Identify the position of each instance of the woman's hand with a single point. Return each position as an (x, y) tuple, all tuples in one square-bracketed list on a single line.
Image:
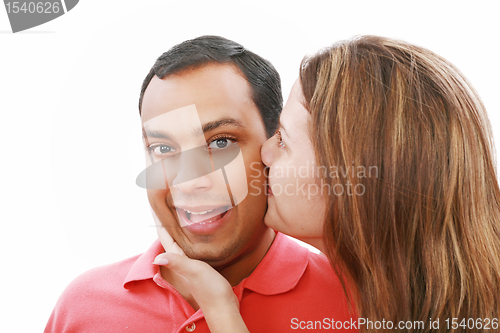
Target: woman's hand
[(212, 291), (208, 286)]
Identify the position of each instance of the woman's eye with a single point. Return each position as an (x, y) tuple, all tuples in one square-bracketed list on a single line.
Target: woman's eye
[(162, 149), (220, 143), (281, 143)]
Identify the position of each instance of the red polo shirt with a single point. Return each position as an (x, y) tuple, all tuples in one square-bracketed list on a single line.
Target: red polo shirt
[(291, 289)]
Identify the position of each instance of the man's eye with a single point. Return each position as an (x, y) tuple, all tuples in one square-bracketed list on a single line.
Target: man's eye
[(220, 143), (162, 149)]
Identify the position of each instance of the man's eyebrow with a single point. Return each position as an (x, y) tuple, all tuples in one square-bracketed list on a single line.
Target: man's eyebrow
[(155, 134), (212, 125)]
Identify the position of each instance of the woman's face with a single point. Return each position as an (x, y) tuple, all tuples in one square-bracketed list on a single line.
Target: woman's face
[(295, 204)]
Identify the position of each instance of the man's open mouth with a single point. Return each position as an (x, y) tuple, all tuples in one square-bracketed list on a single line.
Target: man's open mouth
[(202, 216)]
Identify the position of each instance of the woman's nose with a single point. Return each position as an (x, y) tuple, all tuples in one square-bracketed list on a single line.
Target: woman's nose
[(266, 152)]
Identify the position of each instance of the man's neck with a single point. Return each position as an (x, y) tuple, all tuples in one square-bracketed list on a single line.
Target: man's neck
[(244, 266)]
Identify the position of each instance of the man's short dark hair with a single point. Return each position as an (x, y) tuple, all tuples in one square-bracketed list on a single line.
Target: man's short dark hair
[(263, 78)]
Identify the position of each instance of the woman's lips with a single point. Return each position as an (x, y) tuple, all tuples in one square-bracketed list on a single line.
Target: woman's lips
[(269, 191)]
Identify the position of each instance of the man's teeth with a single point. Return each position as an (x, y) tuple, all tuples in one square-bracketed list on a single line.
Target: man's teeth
[(199, 213)]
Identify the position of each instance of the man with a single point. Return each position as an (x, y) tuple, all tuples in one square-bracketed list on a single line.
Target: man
[(206, 106)]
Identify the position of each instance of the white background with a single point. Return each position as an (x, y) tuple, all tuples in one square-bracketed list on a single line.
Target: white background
[(70, 131)]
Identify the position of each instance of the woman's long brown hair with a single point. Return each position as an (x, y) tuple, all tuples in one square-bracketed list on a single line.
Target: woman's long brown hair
[(420, 238)]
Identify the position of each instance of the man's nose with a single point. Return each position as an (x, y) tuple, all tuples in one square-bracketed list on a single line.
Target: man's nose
[(193, 173), (198, 185)]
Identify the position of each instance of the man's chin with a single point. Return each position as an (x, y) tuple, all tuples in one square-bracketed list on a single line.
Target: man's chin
[(209, 254)]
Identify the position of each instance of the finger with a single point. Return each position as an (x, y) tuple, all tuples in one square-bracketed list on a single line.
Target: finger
[(174, 248), (182, 265), (163, 234), (208, 287)]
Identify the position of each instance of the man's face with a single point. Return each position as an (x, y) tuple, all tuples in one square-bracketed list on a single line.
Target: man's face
[(207, 110)]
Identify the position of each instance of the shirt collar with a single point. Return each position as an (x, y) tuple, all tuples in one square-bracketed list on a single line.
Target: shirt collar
[(143, 268), (279, 271)]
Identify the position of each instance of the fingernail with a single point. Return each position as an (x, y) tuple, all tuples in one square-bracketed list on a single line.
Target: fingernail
[(160, 261)]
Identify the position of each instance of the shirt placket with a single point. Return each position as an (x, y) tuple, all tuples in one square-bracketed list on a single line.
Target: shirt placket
[(196, 324)]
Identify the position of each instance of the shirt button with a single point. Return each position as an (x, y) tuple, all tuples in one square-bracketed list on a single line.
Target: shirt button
[(191, 327)]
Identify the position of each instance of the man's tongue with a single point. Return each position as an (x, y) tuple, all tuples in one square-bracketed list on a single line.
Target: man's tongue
[(208, 217)]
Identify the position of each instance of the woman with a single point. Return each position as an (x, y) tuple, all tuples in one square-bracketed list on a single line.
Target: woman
[(406, 203)]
